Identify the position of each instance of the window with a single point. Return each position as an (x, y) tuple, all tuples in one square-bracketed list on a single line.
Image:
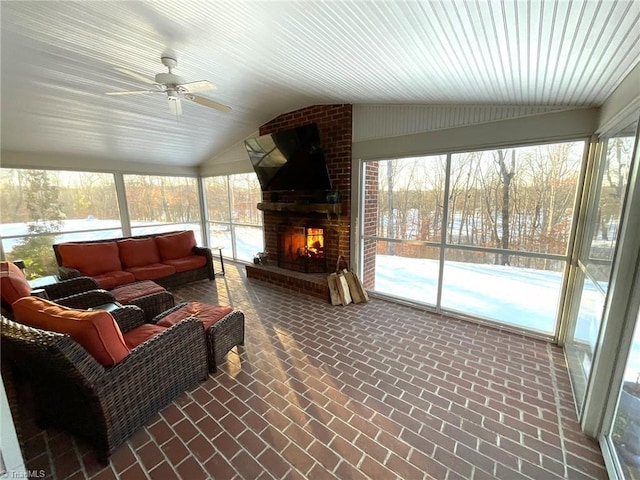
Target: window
[(42, 207), (611, 177), (625, 433), (482, 233), (234, 221), (162, 204), (408, 230)]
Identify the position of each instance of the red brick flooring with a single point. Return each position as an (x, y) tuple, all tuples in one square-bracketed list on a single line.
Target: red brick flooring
[(377, 391)]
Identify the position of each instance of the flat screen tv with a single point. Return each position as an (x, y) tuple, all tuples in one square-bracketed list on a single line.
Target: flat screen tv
[(290, 160)]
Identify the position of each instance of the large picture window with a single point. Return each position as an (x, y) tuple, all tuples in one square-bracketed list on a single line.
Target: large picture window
[(234, 221), (42, 207), (483, 233), (162, 204)]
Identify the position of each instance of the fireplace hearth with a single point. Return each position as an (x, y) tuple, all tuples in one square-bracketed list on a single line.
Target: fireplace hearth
[(302, 249)]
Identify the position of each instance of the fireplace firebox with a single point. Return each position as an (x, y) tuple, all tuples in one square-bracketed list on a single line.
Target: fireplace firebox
[(301, 249)]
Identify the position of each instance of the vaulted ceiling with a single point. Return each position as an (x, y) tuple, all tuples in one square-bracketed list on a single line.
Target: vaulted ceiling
[(59, 58)]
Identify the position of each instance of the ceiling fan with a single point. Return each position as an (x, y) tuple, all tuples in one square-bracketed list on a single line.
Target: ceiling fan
[(174, 87)]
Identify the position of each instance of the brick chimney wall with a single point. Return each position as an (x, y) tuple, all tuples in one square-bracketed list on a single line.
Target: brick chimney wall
[(334, 126)]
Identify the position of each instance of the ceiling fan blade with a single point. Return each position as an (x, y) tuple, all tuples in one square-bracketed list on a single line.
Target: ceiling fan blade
[(130, 92), (199, 86), (175, 107), (135, 75), (208, 103)]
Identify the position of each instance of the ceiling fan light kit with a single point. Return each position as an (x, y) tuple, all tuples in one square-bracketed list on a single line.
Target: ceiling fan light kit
[(174, 87)]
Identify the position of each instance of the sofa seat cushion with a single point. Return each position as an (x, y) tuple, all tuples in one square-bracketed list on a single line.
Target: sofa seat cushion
[(138, 252), (126, 293), (13, 284), (141, 334), (114, 279), (91, 259), (176, 245), (96, 331), (151, 272), (209, 314), (184, 264)]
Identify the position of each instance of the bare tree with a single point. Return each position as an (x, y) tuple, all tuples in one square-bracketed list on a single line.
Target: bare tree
[(507, 170)]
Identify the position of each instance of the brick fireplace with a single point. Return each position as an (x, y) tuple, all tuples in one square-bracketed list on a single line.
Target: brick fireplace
[(297, 210)]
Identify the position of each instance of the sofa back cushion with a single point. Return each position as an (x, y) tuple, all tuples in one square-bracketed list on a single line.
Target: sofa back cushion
[(138, 252), (176, 245), (90, 258), (13, 284), (96, 331)]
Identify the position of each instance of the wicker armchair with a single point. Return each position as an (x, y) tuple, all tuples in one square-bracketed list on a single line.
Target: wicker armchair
[(104, 406)]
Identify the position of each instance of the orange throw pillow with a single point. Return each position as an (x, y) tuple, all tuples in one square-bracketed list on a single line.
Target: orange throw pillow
[(96, 331), (176, 245), (13, 284)]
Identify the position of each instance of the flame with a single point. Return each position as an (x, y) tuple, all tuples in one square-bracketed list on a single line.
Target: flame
[(315, 242)]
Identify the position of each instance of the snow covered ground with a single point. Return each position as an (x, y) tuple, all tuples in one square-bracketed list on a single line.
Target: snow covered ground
[(518, 296)]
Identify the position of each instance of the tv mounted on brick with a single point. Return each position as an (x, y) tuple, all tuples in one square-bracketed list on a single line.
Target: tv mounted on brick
[(291, 160)]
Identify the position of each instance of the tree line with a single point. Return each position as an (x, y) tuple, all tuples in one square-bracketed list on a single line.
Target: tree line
[(516, 199), (44, 199)]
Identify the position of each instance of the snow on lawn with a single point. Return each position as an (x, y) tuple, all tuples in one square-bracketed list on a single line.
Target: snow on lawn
[(519, 296)]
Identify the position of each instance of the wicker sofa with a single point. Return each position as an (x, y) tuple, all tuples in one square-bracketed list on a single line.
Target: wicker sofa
[(104, 405), (169, 259)]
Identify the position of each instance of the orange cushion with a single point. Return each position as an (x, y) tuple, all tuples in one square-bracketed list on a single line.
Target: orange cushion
[(176, 245), (209, 314), (90, 258), (13, 284), (114, 279), (184, 264), (141, 334), (96, 331), (125, 293), (138, 252), (151, 272)]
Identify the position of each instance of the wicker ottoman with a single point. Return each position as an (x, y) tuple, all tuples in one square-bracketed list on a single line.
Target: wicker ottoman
[(148, 295), (224, 327)]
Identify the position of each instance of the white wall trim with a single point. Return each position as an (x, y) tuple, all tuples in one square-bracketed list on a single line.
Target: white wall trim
[(90, 164), (542, 128), (384, 121), (621, 108)]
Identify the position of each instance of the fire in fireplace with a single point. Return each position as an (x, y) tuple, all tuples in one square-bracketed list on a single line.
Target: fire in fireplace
[(301, 249)]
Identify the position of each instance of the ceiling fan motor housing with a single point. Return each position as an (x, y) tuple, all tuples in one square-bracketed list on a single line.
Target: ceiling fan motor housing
[(168, 79)]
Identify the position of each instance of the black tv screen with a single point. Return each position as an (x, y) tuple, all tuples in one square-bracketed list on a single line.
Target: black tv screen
[(289, 160)]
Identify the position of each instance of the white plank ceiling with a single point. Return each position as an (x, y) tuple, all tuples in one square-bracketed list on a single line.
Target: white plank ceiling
[(267, 58)]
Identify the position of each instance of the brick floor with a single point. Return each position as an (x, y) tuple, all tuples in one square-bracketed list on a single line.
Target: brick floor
[(369, 391)]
